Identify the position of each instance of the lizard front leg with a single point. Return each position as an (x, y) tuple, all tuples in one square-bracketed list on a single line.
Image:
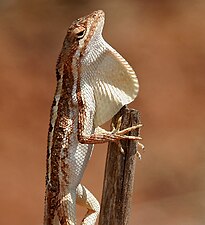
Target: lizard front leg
[(101, 135)]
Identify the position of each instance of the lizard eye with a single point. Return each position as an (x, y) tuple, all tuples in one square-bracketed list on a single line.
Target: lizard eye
[(80, 34)]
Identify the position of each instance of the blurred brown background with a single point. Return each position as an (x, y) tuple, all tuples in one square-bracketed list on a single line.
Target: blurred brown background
[(164, 41)]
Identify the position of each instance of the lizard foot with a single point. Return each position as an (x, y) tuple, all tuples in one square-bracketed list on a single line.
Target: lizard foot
[(116, 130)]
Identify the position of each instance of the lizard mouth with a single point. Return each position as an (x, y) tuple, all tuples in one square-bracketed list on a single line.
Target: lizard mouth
[(97, 16)]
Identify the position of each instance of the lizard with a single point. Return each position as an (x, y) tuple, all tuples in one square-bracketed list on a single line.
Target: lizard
[(93, 82)]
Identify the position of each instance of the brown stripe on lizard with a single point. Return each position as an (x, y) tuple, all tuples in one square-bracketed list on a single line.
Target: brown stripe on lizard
[(64, 90), (89, 73)]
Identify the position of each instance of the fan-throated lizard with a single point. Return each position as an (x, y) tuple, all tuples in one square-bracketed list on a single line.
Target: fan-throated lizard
[(93, 83)]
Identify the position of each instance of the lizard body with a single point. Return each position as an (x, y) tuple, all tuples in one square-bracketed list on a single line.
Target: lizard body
[(93, 83)]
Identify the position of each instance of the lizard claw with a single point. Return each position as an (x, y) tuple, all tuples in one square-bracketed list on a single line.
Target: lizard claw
[(117, 128), (141, 146), (120, 148), (139, 156)]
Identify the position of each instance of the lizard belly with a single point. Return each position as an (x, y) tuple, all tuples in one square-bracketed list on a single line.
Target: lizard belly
[(76, 155), (73, 166)]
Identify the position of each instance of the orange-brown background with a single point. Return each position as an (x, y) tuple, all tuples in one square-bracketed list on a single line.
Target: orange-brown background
[(164, 41)]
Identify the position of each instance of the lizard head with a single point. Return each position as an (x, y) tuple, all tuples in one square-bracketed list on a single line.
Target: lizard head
[(82, 30), (84, 27)]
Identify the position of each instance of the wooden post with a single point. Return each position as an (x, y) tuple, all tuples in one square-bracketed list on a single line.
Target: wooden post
[(119, 174)]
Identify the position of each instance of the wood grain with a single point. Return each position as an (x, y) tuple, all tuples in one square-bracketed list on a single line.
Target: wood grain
[(119, 174)]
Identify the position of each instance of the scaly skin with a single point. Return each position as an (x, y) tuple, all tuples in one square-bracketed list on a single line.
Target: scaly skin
[(93, 83)]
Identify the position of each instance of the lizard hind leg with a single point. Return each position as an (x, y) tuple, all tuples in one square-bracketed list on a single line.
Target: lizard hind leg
[(86, 199)]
